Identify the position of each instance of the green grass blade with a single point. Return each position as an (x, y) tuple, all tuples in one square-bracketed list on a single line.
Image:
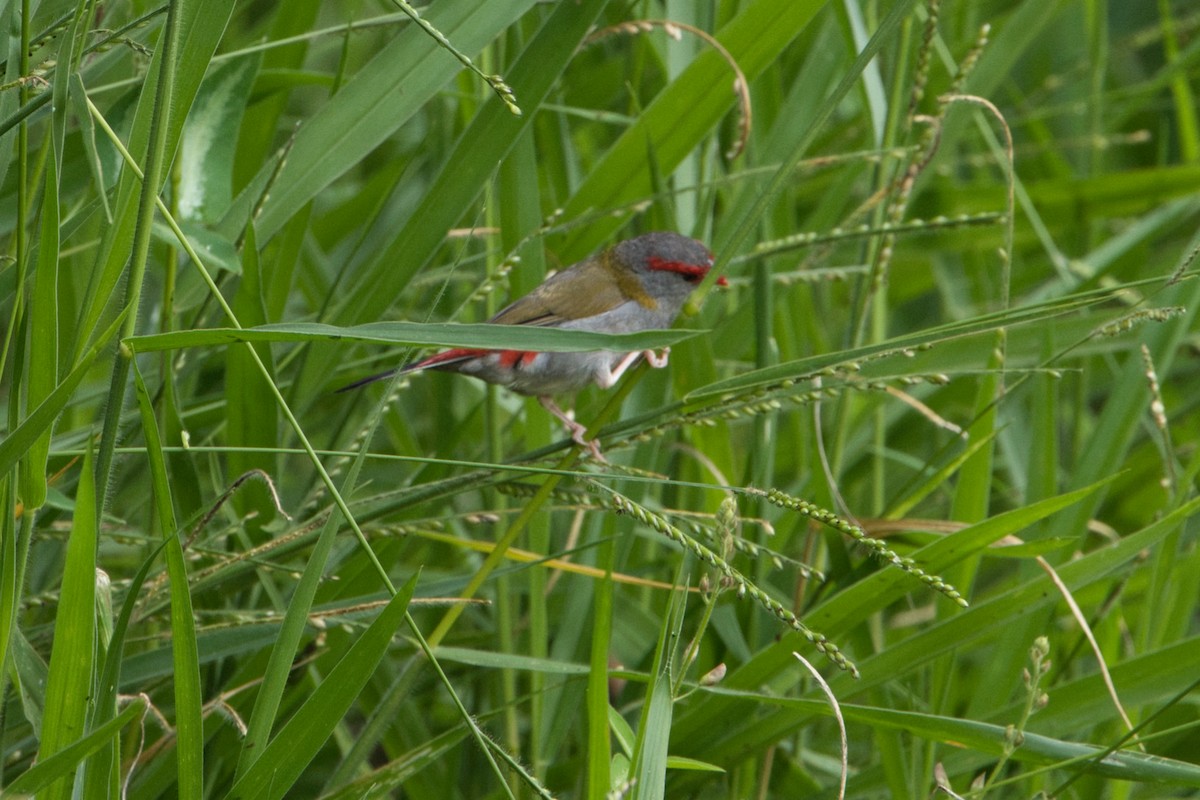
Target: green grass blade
[(250, 422), (599, 749), (1120, 419), (878, 590), (988, 738), (379, 98), (100, 768), (496, 337), (682, 115), (43, 341), (650, 757), (71, 681), (649, 768), (954, 633), (41, 418), (486, 141), (980, 324), (9, 585), (399, 773), (65, 763), (201, 25), (298, 741), (295, 622), (189, 701)]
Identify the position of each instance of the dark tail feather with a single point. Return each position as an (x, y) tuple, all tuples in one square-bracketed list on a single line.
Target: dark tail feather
[(441, 360), (444, 360), (369, 379)]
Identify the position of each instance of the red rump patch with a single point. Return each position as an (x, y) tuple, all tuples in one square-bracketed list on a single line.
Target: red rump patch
[(517, 358), (458, 354), (508, 358)]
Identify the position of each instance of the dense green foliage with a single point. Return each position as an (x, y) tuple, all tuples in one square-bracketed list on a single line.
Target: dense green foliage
[(953, 358)]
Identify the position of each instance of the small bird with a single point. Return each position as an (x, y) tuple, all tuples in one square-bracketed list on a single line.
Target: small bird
[(638, 284)]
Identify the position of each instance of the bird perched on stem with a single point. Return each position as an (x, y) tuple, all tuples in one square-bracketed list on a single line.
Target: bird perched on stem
[(636, 285)]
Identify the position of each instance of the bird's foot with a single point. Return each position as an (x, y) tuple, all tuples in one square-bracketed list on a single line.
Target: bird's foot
[(578, 431), (657, 360)]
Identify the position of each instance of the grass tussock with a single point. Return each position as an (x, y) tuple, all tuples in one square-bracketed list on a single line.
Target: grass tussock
[(937, 438)]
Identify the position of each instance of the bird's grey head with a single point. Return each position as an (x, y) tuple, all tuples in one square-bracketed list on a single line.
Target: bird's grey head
[(669, 265)]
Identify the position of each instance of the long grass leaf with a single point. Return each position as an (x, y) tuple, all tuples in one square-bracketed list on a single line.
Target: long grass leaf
[(683, 114), (285, 758), (65, 763), (486, 141), (380, 97), (511, 337), (43, 340), (202, 24), (189, 701), (70, 684)]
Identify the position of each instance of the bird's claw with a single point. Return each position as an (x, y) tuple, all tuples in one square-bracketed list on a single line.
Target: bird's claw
[(591, 444), (657, 360), (578, 431)]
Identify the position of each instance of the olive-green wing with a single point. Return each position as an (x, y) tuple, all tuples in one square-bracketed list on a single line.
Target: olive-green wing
[(582, 291)]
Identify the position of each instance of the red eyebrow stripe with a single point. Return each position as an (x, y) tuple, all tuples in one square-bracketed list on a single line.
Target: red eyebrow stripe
[(682, 268)]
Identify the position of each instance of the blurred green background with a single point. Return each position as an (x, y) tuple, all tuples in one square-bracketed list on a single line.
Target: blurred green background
[(960, 324)]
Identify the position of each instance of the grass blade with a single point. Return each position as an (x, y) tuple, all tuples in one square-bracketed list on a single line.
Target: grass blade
[(70, 683), (285, 758)]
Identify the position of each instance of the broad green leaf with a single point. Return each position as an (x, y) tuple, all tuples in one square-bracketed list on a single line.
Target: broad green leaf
[(209, 141)]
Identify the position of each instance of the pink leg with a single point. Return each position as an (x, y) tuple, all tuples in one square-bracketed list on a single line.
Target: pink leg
[(628, 360), (614, 374), (577, 430)]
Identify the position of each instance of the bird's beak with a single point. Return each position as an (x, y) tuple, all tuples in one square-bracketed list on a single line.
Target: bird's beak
[(720, 278)]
